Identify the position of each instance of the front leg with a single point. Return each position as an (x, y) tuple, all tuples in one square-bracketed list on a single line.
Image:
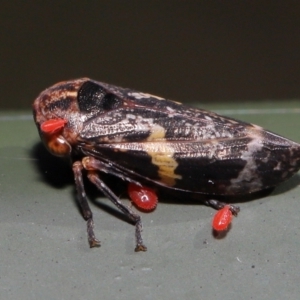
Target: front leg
[(89, 164), (85, 208)]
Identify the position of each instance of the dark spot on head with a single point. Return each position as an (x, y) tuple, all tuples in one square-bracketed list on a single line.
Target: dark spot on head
[(90, 96), (93, 98), (110, 101)]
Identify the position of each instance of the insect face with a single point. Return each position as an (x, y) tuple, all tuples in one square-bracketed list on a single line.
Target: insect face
[(50, 132)]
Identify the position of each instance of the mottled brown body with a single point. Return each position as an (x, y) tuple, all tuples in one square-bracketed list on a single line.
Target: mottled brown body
[(137, 136)]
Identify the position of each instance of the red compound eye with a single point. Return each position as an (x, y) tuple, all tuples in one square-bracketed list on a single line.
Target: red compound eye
[(222, 218), (143, 197), (53, 125)]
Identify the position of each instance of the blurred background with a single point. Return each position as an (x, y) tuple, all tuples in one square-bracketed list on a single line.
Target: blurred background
[(190, 51)]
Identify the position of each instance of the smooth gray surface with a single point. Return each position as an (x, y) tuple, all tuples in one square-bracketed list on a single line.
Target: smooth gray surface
[(45, 254)]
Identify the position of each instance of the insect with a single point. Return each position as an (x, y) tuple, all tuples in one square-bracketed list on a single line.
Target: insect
[(141, 138), (222, 218), (143, 197)]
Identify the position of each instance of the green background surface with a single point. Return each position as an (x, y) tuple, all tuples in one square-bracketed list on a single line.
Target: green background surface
[(44, 248)]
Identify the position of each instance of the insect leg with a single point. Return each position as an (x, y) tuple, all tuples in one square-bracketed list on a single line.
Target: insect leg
[(94, 178), (92, 167), (95, 164), (219, 205), (86, 211)]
